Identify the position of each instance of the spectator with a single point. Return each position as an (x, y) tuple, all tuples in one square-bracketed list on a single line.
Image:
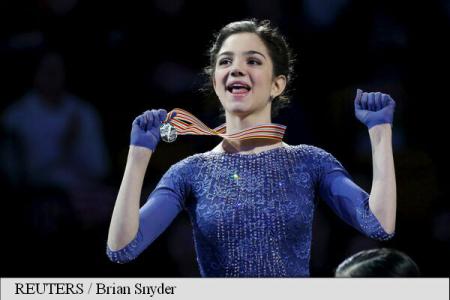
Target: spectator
[(53, 137), (381, 262)]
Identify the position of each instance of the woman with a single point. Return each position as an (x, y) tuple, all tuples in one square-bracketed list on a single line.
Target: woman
[(251, 202)]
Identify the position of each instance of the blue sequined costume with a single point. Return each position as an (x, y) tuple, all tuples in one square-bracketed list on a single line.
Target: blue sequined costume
[(252, 214)]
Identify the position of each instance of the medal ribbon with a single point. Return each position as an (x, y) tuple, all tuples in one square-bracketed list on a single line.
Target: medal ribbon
[(187, 124)]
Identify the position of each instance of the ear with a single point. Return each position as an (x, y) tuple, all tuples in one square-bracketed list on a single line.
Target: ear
[(278, 86)]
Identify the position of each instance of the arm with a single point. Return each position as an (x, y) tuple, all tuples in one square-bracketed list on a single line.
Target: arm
[(125, 218), (91, 148), (374, 214), (382, 200), (125, 232), (349, 201), (162, 206), (376, 111)]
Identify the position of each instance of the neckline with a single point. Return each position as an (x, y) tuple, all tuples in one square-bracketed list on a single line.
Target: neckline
[(259, 154)]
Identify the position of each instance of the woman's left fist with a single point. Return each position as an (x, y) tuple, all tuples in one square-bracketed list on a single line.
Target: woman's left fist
[(374, 108)]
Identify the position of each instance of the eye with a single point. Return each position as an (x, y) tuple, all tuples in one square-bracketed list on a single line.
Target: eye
[(224, 61), (254, 61)]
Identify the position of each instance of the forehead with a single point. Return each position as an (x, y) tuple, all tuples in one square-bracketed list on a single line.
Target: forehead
[(242, 42)]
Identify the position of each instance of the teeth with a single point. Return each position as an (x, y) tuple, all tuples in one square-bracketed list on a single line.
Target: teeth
[(238, 86)]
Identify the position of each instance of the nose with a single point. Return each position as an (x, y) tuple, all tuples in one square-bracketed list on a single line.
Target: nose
[(237, 70)]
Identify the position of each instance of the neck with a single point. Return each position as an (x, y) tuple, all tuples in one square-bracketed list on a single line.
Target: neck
[(236, 122), (51, 99)]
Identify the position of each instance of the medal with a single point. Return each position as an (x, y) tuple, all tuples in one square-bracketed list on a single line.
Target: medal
[(181, 122), (168, 133)]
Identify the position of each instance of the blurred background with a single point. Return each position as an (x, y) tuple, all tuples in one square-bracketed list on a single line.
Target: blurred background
[(75, 73)]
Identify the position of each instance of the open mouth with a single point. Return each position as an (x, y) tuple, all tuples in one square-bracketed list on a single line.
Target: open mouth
[(238, 88)]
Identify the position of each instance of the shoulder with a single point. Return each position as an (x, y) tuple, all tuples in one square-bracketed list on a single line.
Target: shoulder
[(186, 165), (316, 157), (308, 151), (74, 103), (18, 111)]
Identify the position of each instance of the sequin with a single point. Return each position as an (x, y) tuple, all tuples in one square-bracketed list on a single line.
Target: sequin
[(252, 214)]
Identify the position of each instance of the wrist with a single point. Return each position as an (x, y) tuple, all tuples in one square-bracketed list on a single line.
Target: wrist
[(376, 122), (381, 132), (139, 153)]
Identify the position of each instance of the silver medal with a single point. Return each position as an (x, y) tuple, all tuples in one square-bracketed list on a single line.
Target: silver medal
[(168, 133)]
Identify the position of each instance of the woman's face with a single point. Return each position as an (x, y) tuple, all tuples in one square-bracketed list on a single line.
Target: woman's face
[(243, 76)]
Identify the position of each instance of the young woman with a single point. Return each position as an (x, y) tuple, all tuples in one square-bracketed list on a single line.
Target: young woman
[(251, 202)]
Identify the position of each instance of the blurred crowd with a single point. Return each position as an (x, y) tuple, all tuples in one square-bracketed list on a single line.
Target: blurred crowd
[(76, 73)]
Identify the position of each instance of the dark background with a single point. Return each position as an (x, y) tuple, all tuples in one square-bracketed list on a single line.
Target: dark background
[(129, 56)]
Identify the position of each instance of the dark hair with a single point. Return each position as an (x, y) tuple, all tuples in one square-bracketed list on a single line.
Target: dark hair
[(279, 51), (378, 263)]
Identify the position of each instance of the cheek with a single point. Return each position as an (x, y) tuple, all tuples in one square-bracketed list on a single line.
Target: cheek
[(216, 78), (218, 84), (218, 75), (262, 80)]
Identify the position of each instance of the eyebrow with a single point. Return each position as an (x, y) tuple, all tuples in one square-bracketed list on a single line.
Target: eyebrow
[(250, 52)]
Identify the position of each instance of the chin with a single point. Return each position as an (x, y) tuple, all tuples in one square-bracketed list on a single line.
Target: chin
[(238, 108), (240, 113)]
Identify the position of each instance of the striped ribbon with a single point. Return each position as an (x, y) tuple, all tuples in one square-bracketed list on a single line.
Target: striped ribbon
[(187, 124)]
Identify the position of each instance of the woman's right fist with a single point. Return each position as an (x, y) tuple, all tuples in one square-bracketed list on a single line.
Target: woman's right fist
[(145, 129)]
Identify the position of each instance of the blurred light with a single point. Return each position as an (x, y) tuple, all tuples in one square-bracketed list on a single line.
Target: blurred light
[(173, 78), (61, 7), (323, 13), (170, 7)]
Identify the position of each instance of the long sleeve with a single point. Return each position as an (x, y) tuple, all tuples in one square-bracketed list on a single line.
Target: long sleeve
[(161, 208), (347, 199)]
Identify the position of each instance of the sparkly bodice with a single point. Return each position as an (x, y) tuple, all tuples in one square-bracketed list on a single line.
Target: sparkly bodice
[(252, 214)]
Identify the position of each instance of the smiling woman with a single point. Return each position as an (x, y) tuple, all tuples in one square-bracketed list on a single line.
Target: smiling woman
[(251, 201), (274, 55), (244, 82)]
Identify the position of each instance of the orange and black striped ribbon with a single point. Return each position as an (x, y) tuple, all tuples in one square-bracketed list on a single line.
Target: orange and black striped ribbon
[(187, 124)]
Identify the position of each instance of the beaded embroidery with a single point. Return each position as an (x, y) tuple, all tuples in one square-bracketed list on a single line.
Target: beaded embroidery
[(252, 214)]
